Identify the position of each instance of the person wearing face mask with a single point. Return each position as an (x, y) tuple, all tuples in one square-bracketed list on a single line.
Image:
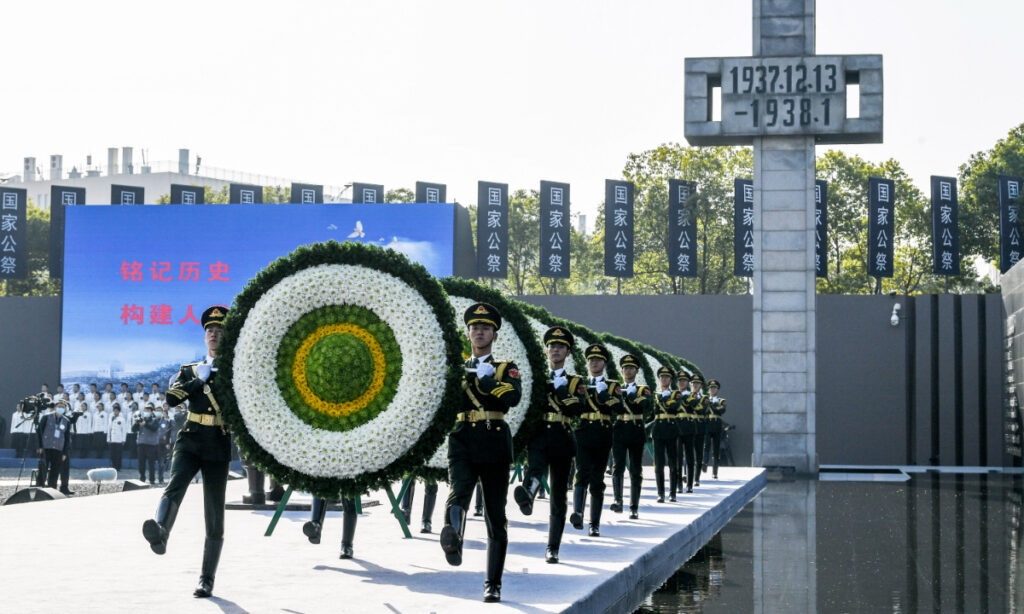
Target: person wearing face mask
[(203, 444), (54, 437), (147, 429)]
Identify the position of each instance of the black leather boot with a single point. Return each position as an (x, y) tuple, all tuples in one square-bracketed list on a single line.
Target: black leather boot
[(579, 495), (276, 492), (156, 531), (256, 495), (451, 535), (211, 556), (407, 499), (429, 499), (478, 509), (524, 496), (616, 505), (634, 499), (315, 525), (348, 528), (555, 528), (596, 503), (495, 565)]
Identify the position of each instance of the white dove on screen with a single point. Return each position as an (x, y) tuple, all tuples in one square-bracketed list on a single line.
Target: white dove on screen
[(358, 232)]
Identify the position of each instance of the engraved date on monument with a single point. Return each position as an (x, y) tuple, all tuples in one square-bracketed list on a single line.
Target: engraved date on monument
[(788, 112)]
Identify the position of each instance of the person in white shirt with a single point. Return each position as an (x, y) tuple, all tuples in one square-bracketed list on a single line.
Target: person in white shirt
[(22, 428), (94, 400), (117, 431), (100, 427), (81, 442)]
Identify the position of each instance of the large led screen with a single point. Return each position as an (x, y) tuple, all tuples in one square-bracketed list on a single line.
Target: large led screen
[(137, 279)]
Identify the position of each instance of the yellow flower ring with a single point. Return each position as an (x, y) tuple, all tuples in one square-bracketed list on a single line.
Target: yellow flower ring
[(345, 408)]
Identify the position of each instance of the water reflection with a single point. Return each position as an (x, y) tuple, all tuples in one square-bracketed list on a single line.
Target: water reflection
[(935, 543)]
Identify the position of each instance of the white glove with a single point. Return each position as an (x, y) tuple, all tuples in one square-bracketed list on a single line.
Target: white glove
[(484, 369), (665, 393), (715, 398), (631, 389), (203, 371), (560, 381), (600, 386)]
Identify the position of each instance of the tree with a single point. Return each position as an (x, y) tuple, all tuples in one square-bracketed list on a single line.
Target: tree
[(400, 195), (979, 194), (222, 195), (37, 280)]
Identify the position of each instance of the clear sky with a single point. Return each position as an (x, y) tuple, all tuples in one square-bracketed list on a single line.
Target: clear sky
[(459, 91)]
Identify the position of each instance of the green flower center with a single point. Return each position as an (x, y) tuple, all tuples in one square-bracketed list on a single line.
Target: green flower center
[(339, 368)]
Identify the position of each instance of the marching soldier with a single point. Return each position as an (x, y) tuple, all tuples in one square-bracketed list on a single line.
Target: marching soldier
[(716, 407), (429, 500), (554, 446), (694, 406), (667, 404), (628, 436), (480, 447), (594, 439), (683, 386), (700, 408), (203, 445)]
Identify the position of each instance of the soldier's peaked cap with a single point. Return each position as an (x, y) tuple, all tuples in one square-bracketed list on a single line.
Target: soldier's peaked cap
[(559, 334), (713, 383), (482, 312), (629, 360), (697, 378), (596, 350), (663, 370), (683, 374), (214, 315)]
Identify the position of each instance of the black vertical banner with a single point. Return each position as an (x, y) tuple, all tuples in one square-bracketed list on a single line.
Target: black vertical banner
[(13, 250), (618, 228), (554, 229), (945, 227), (743, 228), (430, 192), (245, 194), (126, 195), (682, 228), (1010, 226), (187, 194), (60, 197), (821, 228), (367, 193), (881, 226), (306, 193), (492, 229)]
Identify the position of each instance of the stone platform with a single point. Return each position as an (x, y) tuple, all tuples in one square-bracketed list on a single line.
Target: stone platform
[(87, 554)]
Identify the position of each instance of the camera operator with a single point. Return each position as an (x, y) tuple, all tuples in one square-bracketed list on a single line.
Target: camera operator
[(54, 437), (117, 431), (147, 428)]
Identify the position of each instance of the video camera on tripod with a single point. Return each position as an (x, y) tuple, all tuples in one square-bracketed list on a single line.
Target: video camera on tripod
[(34, 405)]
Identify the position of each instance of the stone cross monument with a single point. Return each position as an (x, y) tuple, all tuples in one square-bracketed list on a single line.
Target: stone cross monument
[(783, 101)]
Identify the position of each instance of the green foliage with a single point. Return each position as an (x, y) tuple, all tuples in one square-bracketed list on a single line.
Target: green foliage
[(400, 195), (979, 193), (37, 281)]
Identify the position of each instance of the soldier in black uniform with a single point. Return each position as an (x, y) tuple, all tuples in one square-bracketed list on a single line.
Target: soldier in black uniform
[(694, 406), (594, 439), (315, 525), (429, 500), (480, 447), (554, 446), (665, 433), (716, 407), (699, 408), (203, 445), (628, 436), (683, 386)]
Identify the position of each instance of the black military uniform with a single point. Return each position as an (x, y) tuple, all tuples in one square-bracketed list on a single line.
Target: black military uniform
[(667, 405), (716, 407), (695, 407), (203, 445), (480, 448), (429, 500), (628, 438), (554, 446), (683, 385), (594, 443)]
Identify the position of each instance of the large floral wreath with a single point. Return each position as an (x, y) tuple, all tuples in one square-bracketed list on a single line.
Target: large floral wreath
[(345, 368)]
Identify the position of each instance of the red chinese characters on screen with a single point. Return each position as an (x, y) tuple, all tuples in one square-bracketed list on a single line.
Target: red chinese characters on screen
[(158, 314), (187, 271)]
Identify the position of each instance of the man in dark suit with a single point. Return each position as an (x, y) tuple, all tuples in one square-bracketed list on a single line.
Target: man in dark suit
[(203, 445), (480, 447)]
